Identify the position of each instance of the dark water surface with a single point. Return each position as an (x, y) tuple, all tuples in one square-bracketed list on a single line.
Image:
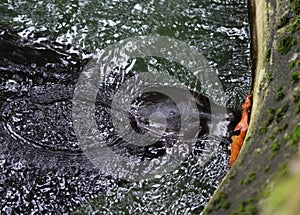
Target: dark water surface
[(44, 45)]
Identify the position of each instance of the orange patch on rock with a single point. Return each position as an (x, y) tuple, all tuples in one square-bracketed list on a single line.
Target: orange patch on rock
[(242, 126)]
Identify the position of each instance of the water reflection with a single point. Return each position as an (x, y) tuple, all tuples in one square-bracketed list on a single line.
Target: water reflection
[(42, 167)]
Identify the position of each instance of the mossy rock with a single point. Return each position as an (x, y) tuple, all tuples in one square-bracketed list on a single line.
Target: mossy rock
[(286, 44), (274, 127)]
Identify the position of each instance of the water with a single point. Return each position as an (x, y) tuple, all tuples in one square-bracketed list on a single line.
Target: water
[(43, 169)]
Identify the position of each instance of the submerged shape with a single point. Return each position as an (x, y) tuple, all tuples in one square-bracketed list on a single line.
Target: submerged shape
[(242, 126)]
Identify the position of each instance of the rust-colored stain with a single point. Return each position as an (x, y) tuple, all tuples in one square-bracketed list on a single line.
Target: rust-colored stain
[(242, 126)]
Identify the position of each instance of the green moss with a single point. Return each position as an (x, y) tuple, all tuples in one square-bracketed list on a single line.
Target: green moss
[(295, 77), (283, 170), (272, 137), (297, 102), (286, 44), (281, 128), (296, 99), (295, 26), (226, 205), (281, 112), (220, 202), (209, 210), (267, 168), (251, 177), (246, 208), (296, 7), (283, 21), (275, 148), (270, 77), (248, 139), (280, 94), (232, 176), (292, 65), (298, 107), (271, 114), (294, 137), (268, 55), (262, 130), (264, 194)]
